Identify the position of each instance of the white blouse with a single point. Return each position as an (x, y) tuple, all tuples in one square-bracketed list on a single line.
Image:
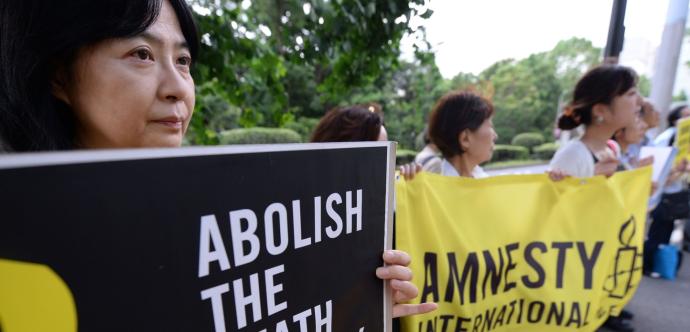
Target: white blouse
[(575, 159), (448, 170)]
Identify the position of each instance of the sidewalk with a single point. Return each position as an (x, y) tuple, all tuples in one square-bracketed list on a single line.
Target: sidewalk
[(661, 305)]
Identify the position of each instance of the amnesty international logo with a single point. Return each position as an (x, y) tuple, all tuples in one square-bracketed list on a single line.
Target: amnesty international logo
[(627, 263)]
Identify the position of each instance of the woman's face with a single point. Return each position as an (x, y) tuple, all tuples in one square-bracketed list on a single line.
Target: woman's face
[(650, 115), (624, 109), (480, 143), (134, 92), (635, 133)]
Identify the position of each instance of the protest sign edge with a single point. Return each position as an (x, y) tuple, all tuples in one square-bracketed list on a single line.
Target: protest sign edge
[(36, 159), (388, 242)]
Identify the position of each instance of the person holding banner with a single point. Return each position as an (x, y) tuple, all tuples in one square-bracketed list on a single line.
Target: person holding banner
[(460, 125), (674, 201), (96, 75), (605, 100)]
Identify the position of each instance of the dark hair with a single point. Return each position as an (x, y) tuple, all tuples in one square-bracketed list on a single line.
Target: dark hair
[(425, 135), (349, 124), (454, 113), (598, 86), (675, 115), (40, 41)]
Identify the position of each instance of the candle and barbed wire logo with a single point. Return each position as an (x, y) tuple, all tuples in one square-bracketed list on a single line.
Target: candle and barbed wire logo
[(627, 264)]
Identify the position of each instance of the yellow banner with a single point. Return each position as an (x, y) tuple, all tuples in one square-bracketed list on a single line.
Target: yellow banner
[(682, 140), (522, 253)]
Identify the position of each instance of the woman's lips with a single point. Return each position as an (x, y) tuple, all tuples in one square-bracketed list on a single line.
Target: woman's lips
[(171, 122)]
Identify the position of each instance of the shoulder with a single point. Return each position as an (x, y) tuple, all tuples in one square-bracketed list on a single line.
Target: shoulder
[(433, 165), (572, 149), (574, 159)]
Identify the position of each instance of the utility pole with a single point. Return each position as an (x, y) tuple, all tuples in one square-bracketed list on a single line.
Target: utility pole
[(614, 42), (667, 56)]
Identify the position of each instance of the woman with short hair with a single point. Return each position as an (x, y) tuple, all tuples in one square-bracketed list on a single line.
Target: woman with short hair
[(461, 127)]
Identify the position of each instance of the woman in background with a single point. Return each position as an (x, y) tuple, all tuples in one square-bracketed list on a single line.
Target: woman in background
[(605, 100), (461, 127), (351, 124)]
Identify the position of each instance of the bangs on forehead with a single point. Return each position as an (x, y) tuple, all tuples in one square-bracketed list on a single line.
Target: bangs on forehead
[(145, 13), (187, 25)]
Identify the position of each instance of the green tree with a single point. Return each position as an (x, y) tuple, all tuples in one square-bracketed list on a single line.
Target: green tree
[(278, 60), (528, 93)]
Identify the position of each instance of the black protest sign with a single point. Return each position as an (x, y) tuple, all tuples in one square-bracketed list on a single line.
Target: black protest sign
[(255, 238)]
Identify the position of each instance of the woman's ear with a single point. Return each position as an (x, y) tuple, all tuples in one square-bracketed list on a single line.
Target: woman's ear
[(464, 140), (600, 112)]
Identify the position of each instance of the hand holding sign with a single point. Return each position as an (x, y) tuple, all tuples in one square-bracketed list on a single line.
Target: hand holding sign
[(403, 290)]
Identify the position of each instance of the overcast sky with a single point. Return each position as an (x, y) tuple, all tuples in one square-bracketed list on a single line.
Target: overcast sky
[(470, 35)]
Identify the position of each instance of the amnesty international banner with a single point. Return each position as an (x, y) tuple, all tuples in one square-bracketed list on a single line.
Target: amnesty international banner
[(522, 253)]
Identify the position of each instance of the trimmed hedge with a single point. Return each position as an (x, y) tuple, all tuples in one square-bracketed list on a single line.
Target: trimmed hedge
[(303, 126), (509, 152), (403, 156), (545, 151), (258, 135), (528, 140)]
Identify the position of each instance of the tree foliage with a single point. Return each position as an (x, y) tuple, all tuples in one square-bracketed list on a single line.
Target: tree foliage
[(277, 60), (284, 63)]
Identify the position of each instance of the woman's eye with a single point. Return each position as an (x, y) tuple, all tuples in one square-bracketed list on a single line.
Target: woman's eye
[(184, 61), (143, 55)]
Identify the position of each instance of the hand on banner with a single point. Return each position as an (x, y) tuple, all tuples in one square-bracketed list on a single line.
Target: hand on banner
[(678, 171), (646, 161), (557, 175), (606, 166), (403, 290), (408, 171)]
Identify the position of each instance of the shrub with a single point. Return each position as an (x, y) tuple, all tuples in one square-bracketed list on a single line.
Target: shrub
[(509, 152), (528, 140), (545, 151), (403, 156), (303, 126), (258, 135)]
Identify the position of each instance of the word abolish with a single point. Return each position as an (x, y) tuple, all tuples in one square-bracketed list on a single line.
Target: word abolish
[(246, 244)]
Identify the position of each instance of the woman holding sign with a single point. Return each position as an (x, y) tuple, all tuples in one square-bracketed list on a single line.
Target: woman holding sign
[(115, 74)]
